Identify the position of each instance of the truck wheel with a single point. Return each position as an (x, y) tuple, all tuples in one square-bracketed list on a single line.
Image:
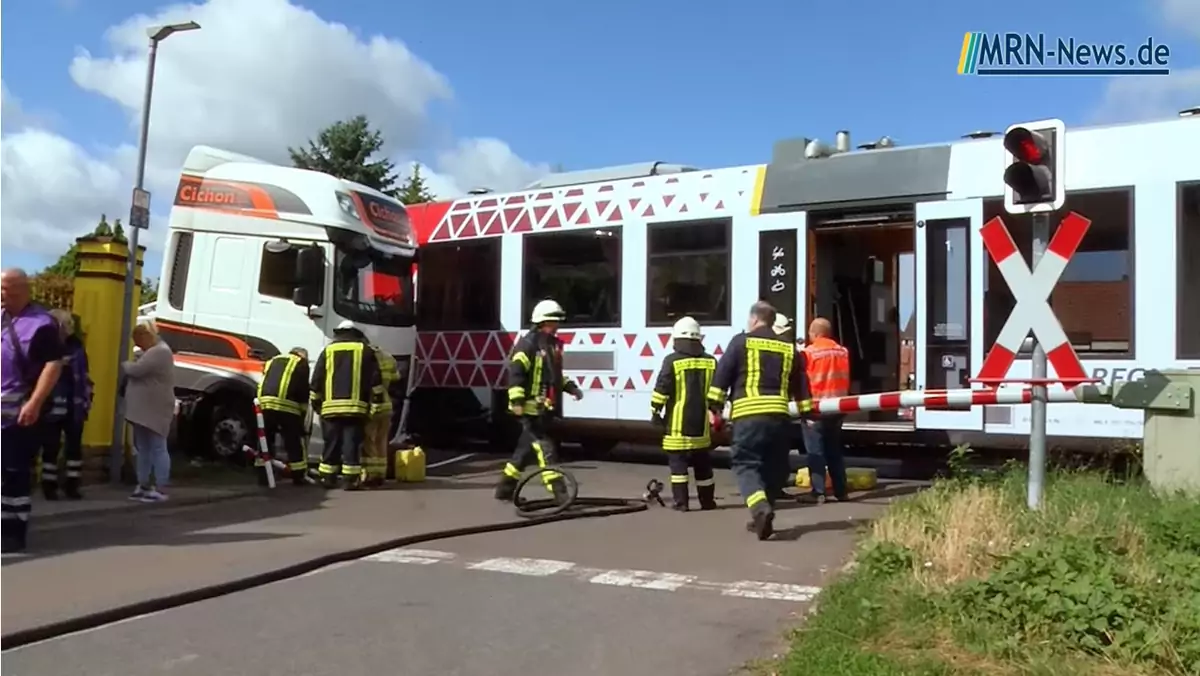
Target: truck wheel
[(231, 428)]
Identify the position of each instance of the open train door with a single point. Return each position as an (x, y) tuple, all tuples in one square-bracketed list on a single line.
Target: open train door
[(949, 329)]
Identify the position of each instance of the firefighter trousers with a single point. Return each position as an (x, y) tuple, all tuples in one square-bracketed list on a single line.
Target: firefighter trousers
[(19, 446), (343, 438), (534, 446), (65, 435), (289, 426), (701, 464), (758, 443), (375, 448)]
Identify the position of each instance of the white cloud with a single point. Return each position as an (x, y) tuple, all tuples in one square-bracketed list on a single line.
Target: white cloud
[(1138, 98), (258, 77)]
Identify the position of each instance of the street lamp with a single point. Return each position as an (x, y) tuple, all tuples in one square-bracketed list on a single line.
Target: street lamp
[(140, 202)]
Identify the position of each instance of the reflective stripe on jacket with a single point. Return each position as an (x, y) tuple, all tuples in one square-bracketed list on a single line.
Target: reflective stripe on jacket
[(389, 373), (827, 368), (535, 373), (681, 389), (345, 380), (284, 384), (756, 370)]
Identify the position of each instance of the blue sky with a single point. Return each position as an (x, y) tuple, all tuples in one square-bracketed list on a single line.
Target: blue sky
[(701, 83)]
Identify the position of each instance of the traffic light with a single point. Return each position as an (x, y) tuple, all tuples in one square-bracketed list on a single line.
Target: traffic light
[(1034, 178)]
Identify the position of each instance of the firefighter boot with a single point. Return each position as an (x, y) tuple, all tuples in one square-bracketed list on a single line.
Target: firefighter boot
[(50, 490), (71, 488), (559, 490), (505, 489), (679, 497), (707, 496), (762, 522)]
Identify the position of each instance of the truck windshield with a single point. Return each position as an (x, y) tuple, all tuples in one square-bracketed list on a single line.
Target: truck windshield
[(373, 288)]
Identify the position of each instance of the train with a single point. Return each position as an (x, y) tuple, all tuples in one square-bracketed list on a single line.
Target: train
[(883, 239)]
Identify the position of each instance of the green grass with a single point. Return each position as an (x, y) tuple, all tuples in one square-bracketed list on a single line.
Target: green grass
[(962, 579)]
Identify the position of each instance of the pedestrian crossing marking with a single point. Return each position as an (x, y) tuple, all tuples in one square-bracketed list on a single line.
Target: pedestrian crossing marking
[(637, 579)]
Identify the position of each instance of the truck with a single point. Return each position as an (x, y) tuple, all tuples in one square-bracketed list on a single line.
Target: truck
[(261, 259), (883, 239)]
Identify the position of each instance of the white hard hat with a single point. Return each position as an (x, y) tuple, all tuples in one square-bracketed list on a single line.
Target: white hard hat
[(346, 325), (686, 327), (782, 323), (547, 311)]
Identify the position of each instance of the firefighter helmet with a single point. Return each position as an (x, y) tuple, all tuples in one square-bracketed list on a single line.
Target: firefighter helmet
[(346, 325), (547, 311), (782, 323), (686, 328)]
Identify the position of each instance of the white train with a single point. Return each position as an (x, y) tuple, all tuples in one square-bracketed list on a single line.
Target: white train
[(883, 239)]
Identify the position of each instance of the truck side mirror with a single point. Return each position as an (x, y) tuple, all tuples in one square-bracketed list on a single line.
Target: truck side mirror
[(310, 276)]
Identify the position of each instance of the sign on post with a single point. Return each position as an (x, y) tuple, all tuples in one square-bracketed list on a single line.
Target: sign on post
[(139, 212), (1031, 289)]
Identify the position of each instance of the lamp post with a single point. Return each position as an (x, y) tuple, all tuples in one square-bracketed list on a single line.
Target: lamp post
[(156, 34)]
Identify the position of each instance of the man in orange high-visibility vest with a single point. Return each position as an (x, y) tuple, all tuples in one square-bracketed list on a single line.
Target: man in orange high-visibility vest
[(826, 368)]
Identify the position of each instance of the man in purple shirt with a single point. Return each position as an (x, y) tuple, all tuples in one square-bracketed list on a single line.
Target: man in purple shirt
[(32, 362)]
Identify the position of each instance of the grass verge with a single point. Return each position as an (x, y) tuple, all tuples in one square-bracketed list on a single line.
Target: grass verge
[(962, 579)]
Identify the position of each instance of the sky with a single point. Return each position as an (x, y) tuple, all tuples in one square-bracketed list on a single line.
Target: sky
[(494, 94)]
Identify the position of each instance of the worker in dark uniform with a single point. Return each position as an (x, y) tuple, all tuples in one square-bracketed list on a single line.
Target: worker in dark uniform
[(756, 371), (826, 368), (681, 390), (535, 386), (32, 363), (283, 397), (345, 381), (780, 467)]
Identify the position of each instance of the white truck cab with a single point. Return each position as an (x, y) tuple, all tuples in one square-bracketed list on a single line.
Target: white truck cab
[(265, 258)]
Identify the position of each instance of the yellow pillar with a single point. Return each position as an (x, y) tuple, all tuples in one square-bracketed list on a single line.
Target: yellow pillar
[(99, 291)]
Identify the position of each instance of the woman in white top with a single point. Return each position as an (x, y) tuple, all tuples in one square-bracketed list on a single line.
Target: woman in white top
[(150, 409)]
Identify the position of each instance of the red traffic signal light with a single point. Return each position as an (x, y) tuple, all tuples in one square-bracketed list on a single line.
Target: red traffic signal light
[(1032, 175)]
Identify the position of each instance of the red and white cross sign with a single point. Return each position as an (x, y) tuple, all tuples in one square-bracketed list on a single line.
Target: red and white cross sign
[(1031, 289)]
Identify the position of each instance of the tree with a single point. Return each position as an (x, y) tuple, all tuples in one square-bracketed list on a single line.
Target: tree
[(413, 190), (344, 149), (68, 263), (149, 289)]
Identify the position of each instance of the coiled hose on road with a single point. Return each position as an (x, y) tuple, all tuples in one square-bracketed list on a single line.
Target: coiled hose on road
[(531, 513)]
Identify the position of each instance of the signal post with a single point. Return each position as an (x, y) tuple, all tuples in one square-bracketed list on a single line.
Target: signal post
[(1034, 184)]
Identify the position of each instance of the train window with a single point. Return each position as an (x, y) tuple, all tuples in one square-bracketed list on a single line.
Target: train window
[(1188, 272), (458, 285), (581, 269), (277, 273), (688, 266), (1100, 275)]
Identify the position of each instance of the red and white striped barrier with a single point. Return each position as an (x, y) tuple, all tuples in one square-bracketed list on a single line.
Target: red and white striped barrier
[(264, 452), (930, 399)]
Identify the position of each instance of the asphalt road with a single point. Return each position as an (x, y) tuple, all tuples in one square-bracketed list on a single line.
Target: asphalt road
[(650, 593)]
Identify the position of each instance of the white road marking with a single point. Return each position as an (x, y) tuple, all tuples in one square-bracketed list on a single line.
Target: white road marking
[(533, 567), (418, 556), (775, 591), (643, 579), (451, 461), (637, 579)]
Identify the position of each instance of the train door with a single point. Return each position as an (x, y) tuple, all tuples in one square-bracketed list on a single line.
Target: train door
[(949, 327)]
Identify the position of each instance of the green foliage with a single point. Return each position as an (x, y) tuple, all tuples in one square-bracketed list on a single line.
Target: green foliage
[(67, 264), (413, 190), (344, 149), (1104, 580)]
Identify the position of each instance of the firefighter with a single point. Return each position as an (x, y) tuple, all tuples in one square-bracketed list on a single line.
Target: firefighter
[(680, 390), (826, 368), (345, 381), (375, 449), (756, 370), (536, 383), (283, 398)]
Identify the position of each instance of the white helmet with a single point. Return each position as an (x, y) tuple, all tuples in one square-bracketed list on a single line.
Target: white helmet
[(782, 323), (346, 325), (687, 328), (547, 311)]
